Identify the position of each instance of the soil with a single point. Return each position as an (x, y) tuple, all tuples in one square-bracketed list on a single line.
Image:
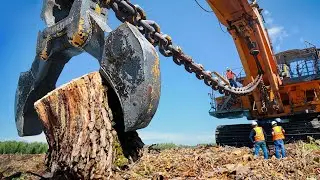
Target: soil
[(201, 162)]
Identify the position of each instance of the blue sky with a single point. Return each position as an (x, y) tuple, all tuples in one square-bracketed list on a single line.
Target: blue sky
[(182, 116)]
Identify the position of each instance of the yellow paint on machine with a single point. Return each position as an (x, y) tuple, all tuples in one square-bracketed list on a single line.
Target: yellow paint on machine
[(150, 108), (156, 69), (156, 74), (79, 38), (44, 53)]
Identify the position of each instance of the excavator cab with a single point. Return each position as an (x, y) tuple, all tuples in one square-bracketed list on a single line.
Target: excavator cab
[(299, 65)]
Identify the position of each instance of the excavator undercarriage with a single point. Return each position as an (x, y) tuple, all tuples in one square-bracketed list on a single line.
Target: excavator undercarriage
[(297, 128)]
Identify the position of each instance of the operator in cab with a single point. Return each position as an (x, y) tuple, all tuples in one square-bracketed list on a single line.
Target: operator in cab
[(231, 76), (258, 136), (277, 137)]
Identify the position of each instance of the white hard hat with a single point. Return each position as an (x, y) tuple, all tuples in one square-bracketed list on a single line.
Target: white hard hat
[(254, 123), (278, 120), (273, 123), (228, 68)]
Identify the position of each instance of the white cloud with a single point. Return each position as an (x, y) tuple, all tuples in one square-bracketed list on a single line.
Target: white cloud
[(277, 33), (269, 20), (266, 12), (37, 138), (150, 137)]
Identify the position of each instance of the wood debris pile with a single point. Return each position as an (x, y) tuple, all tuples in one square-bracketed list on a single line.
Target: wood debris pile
[(202, 162), (206, 162)]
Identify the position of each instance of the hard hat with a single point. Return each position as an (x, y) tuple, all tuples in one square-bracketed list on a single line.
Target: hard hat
[(254, 123), (278, 120), (228, 68), (273, 123)]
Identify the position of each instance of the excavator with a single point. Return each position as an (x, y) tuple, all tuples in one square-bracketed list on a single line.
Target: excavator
[(288, 91), (129, 64)]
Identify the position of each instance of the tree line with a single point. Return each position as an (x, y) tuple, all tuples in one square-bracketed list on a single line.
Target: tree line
[(18, 147)]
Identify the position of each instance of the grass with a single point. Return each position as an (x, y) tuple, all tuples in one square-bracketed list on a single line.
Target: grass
[(163, 146), (16, 147)]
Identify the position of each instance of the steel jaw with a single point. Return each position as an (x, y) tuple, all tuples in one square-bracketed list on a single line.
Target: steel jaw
[(131, 66), (128, 62)]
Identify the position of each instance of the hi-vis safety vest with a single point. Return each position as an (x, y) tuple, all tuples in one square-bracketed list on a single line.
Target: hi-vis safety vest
[(286, 70), (230, 75), (277, 133), (259, 134)]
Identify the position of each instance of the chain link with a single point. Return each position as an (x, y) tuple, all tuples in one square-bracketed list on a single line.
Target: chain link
[(134, 14), (265, 97)]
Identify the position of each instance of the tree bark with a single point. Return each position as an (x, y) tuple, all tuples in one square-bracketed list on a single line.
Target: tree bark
[(84, 130)]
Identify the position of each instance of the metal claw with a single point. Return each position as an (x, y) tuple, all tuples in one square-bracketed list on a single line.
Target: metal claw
[(131, 66)]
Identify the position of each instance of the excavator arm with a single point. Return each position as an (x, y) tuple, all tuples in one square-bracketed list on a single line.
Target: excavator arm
[(128, 60), (245, 24)]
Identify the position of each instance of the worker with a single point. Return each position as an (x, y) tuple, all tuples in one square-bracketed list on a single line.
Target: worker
[(277, 137), (230, 76), (257, 136), (285, 71)]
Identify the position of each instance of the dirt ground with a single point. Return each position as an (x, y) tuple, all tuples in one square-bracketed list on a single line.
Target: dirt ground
[(202, 162), (15, 163)]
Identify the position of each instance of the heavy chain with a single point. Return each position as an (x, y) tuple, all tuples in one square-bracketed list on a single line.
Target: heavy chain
[(265, 99), (134, 14)]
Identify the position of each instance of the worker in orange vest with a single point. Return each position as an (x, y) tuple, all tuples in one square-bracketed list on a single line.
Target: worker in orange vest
[(230, 76), (277, 137), (257, 136)]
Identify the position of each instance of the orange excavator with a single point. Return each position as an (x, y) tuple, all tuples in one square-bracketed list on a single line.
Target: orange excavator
[(290, 84), (271, 89)]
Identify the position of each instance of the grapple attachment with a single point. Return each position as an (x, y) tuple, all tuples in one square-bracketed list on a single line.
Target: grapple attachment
[(128, 62), (33, 85), (131, 66)]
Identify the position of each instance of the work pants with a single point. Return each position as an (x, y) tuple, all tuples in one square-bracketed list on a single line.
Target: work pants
[(279, 145), (263, 146), (233, 83)]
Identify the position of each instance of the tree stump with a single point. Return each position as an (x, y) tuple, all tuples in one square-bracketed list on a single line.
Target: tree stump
[(83, 125)]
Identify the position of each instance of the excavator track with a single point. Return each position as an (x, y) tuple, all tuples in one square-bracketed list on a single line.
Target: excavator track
[(297, 129)]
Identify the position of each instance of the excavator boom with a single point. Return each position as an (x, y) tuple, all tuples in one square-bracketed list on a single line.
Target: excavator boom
[(244, 23)]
